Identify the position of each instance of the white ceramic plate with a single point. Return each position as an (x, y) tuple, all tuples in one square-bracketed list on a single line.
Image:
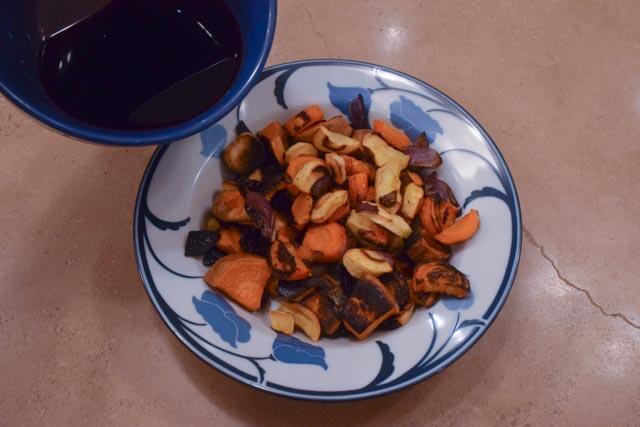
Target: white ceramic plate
[(181, 179)]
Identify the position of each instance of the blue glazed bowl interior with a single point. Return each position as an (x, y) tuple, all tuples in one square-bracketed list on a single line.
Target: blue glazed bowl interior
[(24, 24)]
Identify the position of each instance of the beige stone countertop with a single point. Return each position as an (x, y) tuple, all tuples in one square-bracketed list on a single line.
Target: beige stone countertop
[(556, 84)]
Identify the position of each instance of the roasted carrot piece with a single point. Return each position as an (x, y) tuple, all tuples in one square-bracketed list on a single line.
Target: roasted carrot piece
[(371, 194), (277, 138), (428, 216), (297, 163), (301, 210), (358, 186), (285, 260), (461, 230), (229, 241), (394, 136), (353, 166), (242, 277), (304, 118), (324, 243)]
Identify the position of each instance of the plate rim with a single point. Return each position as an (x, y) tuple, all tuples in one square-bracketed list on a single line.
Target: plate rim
[(472, 340)]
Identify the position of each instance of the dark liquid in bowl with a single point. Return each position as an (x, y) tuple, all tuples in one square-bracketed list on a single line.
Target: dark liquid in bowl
[(143, 64)]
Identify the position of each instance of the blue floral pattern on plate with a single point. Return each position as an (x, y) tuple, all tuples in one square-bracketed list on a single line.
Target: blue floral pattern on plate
[(226, 339)]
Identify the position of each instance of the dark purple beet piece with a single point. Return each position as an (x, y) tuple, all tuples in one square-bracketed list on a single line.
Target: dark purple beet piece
[(358, 113), (321, 187), (199, 242), (423, 157), (437, 188), (261, 212), (366, 207), (252, 241), (282, 201)]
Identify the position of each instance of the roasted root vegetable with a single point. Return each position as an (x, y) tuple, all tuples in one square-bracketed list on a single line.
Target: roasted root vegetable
[(382, 153), (278, 140), (328, 205), (282, 321), (301, 210), (381, 216), (300, 149), (326, 141), (437, 277), (461, 230), (242, 277), (303, 119), (324, 243), (361, 262), (229, 241), (357, 185), (349, 227), (369, 304), (367, 232), (244, 154), (303, 318), (286, 262), (394, 136), (228, 206)]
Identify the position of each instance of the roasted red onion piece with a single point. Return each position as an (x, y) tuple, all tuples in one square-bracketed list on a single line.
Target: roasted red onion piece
[(358, 113)]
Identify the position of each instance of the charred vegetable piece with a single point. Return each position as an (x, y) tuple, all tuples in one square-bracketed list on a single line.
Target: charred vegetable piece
[(278, 140), (326, 141), (260, 212), (435, 215), (369, 304), (358, 113), (366, 231), (324, 243), (437, 188), (361, 262), (249, 184), (394, 136), (228, 206), (321, 186), (304, 318), (282, 321), (326, 308), (440, 278), (460, 231), (244, 154), (199, 242), (229, 241), (382, 153), (213, 255), (426, 299), (301, 210), (282, 202), (242, 277), (423, 157), (421, 247), (354, 166), (402, 293), (285, 261), (338, 124), (252, 241), (303, 119), (392, 222), (297, 290)]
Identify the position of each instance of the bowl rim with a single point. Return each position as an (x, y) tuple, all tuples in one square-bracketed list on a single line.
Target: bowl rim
[(501, 298), (165, 135)]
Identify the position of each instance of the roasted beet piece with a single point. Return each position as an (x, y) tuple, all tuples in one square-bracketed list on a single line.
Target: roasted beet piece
[(199, 242), (321, 186), (436, 187), (254, 242), (366, 207), (260, 212), (358, 113), (282, 202), (423, 157), (389, 199), (212, 256)]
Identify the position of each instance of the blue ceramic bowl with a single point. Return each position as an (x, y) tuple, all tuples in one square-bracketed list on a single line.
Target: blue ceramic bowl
[(21, 33)]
